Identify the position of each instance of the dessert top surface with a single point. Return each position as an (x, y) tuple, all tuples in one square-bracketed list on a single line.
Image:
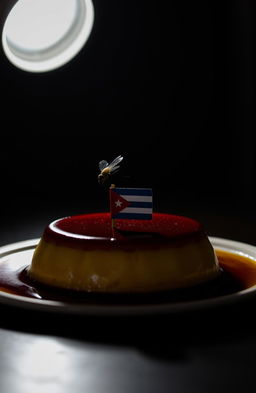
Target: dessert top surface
[(91, 228)]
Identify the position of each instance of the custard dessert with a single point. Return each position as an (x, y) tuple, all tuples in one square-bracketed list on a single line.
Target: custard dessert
[(85, 253)]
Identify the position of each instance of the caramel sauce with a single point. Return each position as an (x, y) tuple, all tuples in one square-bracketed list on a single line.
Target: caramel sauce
[(240, 267), (237, 273), (97, 230)]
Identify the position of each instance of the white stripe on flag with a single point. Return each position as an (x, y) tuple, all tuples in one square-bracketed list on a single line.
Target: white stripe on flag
[(138, 210), (137, 198)]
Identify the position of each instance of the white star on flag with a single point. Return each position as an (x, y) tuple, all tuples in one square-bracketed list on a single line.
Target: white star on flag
[(118, 203)]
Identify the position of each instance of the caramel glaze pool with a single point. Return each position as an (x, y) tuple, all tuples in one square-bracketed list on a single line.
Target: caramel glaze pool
[(238, 273)]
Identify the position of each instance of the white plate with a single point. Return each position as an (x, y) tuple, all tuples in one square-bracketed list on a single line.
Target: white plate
[(25, 250)]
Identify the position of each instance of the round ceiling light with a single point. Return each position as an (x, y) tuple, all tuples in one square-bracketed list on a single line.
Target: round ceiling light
[(42, 35)]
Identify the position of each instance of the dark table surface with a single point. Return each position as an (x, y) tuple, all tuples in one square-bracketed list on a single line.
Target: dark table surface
[(211, 350)]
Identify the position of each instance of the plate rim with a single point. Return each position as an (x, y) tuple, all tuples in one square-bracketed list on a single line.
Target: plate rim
[(23, 302)]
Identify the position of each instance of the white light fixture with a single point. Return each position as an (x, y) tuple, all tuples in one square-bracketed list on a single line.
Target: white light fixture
[(42, 35)]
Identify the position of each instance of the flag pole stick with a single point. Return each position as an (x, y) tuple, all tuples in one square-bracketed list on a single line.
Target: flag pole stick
[(113, 221)]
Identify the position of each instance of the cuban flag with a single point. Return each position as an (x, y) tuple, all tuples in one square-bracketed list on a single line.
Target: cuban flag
[(131, 203)]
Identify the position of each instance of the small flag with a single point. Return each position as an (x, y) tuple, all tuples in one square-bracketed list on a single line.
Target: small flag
[(131, 203)]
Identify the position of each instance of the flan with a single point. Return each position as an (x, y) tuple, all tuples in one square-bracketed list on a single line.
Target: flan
[(85, 253)]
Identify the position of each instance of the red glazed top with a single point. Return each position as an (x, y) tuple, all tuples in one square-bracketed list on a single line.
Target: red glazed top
[(94, 231)]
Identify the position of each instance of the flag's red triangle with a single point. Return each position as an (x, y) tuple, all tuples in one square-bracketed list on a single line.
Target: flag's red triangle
[(117, 203)]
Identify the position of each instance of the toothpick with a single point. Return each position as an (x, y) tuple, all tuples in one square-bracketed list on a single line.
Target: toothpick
[(113, 221)]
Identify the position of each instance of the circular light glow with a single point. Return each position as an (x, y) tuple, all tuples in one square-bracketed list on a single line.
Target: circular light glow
[(41, 35)]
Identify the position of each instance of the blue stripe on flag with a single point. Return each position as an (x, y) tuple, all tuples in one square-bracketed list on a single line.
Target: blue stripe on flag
[(133, 216), (141, 204), (134, 191)]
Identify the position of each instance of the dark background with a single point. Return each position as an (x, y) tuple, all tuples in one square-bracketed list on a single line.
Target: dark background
[(170, 86)]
